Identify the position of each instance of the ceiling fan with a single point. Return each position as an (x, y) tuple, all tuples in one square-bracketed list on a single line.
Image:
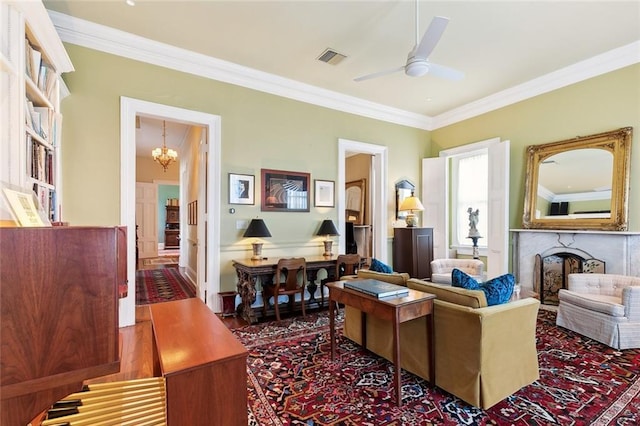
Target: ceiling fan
[(418, 63)]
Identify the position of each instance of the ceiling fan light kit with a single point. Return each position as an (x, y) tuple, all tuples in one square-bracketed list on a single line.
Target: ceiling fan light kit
[(418, 63), (416, 67)]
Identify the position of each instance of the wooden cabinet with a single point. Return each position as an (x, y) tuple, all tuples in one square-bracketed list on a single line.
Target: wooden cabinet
[(413, 251), (32, 58), (172, 227), (59, 306)]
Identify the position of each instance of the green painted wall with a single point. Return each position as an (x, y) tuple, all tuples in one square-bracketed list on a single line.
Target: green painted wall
[(259, 130), (596, 105)]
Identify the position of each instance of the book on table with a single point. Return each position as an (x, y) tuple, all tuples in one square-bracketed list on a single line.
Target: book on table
[(379, 289)]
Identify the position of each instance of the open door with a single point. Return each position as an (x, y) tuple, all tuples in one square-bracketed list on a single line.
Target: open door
[(147, 219), (202, 243)]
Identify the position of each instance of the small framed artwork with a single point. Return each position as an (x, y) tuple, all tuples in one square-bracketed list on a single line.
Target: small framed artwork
[(241, 189), (25, 208), (324, 193), (192, 212), (285, 191)]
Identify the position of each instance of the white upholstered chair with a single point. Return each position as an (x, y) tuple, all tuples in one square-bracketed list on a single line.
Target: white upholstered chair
[(441, 269), (604, 307)]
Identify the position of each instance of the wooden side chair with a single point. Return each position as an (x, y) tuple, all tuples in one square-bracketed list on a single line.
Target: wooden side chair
[(286, 284), (346, 264)]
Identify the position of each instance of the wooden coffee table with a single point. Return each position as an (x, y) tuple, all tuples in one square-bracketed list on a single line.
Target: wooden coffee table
[(397, 310)]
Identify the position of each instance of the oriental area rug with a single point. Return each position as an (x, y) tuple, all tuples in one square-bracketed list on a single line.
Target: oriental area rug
[(162, 285), (292, 381)]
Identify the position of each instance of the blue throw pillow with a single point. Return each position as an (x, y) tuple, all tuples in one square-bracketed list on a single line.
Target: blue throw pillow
[(497, 290), (460, 279), (378, 266)]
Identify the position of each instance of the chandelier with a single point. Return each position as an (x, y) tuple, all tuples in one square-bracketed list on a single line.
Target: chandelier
[(163, 155)]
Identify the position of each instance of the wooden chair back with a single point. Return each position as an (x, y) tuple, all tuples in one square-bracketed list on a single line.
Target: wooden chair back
[(290, 268), (347, 264)]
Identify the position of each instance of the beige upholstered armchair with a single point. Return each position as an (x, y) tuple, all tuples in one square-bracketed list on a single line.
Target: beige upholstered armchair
[(441, 269), (604, 307)]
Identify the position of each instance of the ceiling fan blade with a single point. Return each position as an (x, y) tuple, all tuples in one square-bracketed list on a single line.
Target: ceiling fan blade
[(444, 72), (431, 37), (379, 74)]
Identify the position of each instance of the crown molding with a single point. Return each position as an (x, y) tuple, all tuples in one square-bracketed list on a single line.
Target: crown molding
[(99, 37), (607, 62), (116, 42)]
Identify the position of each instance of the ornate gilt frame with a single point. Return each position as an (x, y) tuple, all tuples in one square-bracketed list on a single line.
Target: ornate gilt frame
[(356, 216), (618, 142)]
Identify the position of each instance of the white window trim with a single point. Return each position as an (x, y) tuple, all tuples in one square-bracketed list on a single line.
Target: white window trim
[(461, 151), (454, 196)]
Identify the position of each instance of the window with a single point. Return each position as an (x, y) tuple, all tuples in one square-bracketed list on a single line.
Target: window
[(451, 224), (469, 185)]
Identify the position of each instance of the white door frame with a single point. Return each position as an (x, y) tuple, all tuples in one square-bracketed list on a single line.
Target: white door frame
[(378, 192), (129, 108)]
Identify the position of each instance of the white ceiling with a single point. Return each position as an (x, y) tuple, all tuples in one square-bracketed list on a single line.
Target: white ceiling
[(499, 45)]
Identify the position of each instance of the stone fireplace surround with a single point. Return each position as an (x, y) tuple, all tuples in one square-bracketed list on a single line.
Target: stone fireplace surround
[(619, 250)]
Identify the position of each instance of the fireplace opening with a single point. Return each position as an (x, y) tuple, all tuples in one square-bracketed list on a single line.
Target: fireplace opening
[(551, 272)]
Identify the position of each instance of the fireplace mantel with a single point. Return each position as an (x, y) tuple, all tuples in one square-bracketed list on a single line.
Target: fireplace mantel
[(619, 249)]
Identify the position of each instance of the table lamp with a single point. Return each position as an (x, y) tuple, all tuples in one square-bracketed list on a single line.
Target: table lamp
[(327, 228), (257, 229), (411, 204)]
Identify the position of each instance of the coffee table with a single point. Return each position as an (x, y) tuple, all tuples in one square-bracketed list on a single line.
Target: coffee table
[(397, 310)]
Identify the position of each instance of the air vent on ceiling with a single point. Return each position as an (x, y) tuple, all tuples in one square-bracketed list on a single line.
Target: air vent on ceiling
[(332, 57)]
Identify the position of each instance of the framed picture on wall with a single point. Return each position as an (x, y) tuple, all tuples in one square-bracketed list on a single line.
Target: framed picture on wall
[(241, 189), (192, 212), (324, 193), (285, 191)]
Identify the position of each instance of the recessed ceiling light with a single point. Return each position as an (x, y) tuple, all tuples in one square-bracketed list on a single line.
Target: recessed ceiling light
[(130, 2)]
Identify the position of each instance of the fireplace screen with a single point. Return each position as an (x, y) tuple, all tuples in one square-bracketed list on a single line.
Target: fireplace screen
[(551, 273)]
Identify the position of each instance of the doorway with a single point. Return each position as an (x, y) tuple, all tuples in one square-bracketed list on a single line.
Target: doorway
[(378, 191), (208, 276)]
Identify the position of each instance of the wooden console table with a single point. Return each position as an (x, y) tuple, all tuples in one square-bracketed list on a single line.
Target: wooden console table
[(397, 310), (249, 270)]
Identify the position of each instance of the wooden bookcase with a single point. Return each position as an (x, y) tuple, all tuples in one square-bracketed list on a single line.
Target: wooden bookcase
[(31, 62)]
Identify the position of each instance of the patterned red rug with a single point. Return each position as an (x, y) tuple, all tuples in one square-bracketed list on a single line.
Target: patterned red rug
[(161, 285), (292, 381)]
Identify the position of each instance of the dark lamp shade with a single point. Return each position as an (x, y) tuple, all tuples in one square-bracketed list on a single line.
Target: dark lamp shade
[(327, 228), (257, 228)]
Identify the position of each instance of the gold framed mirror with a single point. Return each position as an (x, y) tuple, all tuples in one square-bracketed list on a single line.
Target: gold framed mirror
[(355, 201), (580, 183)]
